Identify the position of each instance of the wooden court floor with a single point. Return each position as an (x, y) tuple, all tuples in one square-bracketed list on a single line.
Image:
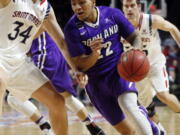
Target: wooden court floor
[(13, 123)]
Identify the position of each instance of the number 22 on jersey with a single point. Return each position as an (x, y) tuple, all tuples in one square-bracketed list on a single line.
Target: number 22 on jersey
[(108, 50)]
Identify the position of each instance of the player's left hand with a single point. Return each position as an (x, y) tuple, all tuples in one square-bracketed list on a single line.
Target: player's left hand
[(96, 45), (82, 79)]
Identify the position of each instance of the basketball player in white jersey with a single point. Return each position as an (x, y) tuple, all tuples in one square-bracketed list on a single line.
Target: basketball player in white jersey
[(156, 82), (20, 22)]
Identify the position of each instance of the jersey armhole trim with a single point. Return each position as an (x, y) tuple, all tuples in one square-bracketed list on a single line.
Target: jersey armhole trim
[(150, 23)]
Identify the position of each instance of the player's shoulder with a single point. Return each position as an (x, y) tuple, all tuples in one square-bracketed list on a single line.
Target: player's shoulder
[(40, 3), (157, 17), (146, 15), (72, 23), (152, 16), (42, 7)]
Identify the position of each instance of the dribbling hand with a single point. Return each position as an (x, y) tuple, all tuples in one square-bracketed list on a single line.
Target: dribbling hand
[(96, 45)]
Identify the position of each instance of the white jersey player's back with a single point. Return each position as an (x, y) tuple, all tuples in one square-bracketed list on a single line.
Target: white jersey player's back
[(20, 21), (150, 40)]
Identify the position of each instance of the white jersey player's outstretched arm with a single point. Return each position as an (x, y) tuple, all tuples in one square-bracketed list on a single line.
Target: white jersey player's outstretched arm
[(159, 22), (52, 27)]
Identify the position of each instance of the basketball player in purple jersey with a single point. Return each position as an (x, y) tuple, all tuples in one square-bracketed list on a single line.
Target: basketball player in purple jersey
[(93, 38), (47, 57)]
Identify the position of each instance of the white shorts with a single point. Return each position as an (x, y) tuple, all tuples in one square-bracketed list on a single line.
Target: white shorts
[(155, 82), (24, 80)]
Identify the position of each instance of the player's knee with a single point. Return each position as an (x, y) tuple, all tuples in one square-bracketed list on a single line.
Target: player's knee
[(73, 104), (125, 128), (128, 132), (56, 103)]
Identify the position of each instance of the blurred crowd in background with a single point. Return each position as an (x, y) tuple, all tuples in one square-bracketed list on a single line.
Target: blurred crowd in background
[(169, 9)]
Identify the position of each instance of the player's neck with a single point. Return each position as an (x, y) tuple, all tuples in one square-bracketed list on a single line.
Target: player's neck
[(4, 3), (93, 17), (137, 21)]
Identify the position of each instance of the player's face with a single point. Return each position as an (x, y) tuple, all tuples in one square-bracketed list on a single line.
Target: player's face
[(131, 10), (83, 8)]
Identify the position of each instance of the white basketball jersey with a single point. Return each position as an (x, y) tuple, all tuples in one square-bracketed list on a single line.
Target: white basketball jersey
[(20, 21), (150, 40)]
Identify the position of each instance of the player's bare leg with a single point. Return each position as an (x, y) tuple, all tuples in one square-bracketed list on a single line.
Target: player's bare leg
[(170, 100), (74, 105), (3, 84), (30, 110), (56, 107)]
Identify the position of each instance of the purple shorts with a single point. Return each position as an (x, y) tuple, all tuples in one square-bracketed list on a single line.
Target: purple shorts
[(103, 93), (49, 59)]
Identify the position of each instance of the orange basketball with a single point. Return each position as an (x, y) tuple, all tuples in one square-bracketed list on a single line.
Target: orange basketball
[(133, 65)]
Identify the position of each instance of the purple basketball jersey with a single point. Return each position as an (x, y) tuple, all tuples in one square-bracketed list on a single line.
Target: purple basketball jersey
[(105, 85), (48, 58), (111, 25)]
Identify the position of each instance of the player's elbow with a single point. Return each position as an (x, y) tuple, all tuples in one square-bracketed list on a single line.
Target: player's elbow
[(82, 67), (62, 45), (173, 29), (83, 62), (174, 32)]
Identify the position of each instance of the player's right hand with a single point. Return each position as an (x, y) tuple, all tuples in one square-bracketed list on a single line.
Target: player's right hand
[(82, 79), (96, 45)]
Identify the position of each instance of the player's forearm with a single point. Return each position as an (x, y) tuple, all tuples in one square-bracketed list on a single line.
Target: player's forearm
[(134, 40), (58, 37), (80, 64), (137, 43), (176, 35), (52, 27), (160, 23), (83, 63), (68, 58)]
